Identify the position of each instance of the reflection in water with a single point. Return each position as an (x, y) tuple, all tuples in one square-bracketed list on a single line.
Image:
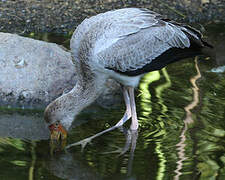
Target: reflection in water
[(145, 103), (188, 120), (146, 107), (133, 140), (69, 166), (164, 109), (33, 160), (199, 153), (24, 124)]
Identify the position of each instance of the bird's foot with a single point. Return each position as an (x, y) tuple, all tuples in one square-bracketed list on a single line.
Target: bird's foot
[(84, 142), (131, 138)]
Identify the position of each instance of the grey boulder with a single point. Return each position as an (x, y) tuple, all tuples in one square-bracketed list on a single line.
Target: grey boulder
[(33, 72)]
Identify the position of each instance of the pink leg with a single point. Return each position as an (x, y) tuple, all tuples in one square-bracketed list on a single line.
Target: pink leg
[(134, 123), (126, 116)]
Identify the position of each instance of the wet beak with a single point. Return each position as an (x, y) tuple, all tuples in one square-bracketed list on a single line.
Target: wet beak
[(58, 132), (58, 138)]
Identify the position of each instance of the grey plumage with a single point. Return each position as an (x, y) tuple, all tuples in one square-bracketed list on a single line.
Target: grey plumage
[(121, 44), (127, 39)]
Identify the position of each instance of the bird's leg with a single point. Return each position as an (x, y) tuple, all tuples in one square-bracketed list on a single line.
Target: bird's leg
[(134, 122), (125, 117), (127, 114)]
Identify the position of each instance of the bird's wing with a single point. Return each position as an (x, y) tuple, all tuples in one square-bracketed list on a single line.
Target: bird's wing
[(106, 23), (133, 38)]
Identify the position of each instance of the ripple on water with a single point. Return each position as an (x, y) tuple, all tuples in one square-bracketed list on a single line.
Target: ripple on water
[(181, 135)]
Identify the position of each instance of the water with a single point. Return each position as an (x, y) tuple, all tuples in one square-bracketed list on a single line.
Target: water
[(181, 135)]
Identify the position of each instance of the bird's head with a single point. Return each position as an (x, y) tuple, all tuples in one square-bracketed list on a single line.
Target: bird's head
[(58, 120)]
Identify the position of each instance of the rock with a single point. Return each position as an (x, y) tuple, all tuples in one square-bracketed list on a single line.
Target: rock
[(111, 95), (32, 72), (23, 125)]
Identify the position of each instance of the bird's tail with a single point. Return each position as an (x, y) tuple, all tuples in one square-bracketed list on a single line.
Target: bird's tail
[(197, 42), (208, 50)]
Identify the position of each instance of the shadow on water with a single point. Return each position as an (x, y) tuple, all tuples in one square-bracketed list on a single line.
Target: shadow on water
[(181, 136)]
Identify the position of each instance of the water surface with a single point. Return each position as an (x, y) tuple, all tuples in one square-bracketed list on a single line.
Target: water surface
[(181, 111)]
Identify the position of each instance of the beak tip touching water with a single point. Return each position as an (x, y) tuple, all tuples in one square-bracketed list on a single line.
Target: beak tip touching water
[(57, 131), (57, 138)]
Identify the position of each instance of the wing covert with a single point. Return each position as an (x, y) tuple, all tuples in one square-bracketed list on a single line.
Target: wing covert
[(129, 44), (126, 39)]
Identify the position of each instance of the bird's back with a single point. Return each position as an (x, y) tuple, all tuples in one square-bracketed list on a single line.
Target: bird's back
[(105, 28), (128, 40)]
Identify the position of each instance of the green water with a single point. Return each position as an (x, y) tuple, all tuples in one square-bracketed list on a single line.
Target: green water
[(181, 110)]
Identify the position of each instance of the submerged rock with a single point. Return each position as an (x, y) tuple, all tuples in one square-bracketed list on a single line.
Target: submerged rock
[(23, 125), (33, 72)]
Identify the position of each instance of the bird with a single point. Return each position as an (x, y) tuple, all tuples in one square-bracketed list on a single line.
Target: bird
[(124, 45)]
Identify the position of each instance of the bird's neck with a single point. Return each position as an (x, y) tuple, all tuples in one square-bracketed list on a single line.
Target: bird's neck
[(82, 95)]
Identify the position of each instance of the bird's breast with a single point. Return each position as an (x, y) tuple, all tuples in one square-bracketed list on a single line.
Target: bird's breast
[(131, 81)]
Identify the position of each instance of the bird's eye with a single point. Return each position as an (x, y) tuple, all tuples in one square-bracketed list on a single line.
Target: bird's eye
[(56, 123)]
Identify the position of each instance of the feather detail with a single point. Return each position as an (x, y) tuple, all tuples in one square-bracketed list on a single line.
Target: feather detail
[(128, 39)]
